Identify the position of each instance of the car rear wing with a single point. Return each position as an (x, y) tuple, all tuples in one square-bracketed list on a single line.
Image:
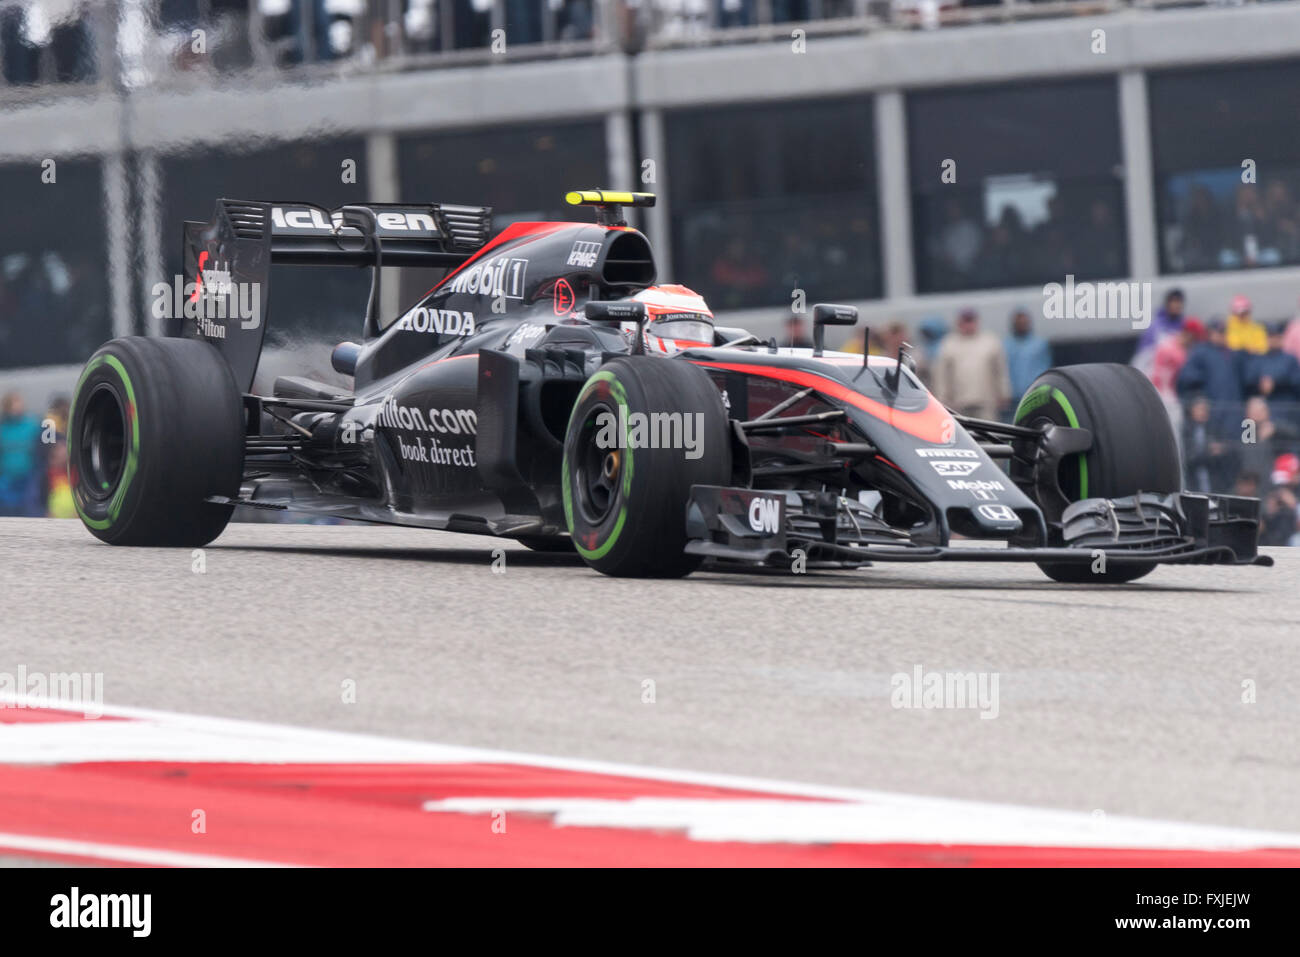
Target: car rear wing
[(227, 260)]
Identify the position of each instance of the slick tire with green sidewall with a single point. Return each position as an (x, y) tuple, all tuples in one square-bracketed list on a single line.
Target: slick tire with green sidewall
[(156, 427), (626, 506), (1133, 445)]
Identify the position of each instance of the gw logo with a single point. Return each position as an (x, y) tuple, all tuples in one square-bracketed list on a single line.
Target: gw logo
[(765, 515)]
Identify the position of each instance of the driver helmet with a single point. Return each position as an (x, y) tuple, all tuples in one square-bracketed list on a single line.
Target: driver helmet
[(676, 318)]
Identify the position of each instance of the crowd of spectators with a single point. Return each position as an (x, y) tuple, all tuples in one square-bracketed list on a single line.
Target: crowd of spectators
[(1232, 388), (1079, 236), (34, 460), (54, 41), (972, 370), (1247, 225)]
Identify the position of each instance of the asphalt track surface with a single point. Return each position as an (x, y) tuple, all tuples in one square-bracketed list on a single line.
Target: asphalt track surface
[(1127, 699)]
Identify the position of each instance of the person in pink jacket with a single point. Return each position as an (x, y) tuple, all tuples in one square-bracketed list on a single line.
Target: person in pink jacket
[(1291, 338)]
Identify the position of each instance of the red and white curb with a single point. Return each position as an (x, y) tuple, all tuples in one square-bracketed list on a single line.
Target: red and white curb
[(129, 787)]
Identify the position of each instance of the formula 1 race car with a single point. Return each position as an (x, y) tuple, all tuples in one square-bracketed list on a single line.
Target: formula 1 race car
[(547, 390)]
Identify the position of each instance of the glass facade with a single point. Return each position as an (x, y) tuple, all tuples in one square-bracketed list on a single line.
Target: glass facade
[(1230, 200), (771, 199), (1016, 185), (54, 297)]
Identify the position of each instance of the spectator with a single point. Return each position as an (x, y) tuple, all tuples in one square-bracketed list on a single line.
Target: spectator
[(1291, 339), (1099, 241), (796, 333), (1001, 261), (932, 329), (1207, 461), (970, 374), (1280, 520), (1214, 372), (1261, 444), (1168, 320), (1202, 231), (57, 491), (1281, 229), (1169, 358), (958, 243), (1243, 332), (1247, 485), (1247, 226), (876, 342), (20, 475), (893, 339), (1276, 375), (1028, 354), (58, 498), (1278, 524)]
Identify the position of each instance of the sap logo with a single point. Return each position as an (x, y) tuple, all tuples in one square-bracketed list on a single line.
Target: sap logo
[(947, 453), (443, 322), (999, 513), (765, 515), (584, 254), (955, 468), (976, 485)]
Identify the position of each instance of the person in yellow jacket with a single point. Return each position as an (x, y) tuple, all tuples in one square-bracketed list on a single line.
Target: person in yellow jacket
[(1244, 333)]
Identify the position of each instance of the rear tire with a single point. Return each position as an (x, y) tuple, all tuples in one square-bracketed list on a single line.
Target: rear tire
[(626, 507), (156, 427), (1133, 446)]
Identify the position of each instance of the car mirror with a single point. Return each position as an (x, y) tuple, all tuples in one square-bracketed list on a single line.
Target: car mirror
[(829, 314)]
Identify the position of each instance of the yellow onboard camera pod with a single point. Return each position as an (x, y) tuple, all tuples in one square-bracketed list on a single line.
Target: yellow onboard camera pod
[(609, 203)]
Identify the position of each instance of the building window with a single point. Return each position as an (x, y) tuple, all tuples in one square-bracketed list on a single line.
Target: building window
[(768, 200), (1227, 166), (1016, 185), (54, 295)]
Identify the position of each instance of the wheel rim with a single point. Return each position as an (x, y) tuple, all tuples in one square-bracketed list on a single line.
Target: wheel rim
[(102, 443), (1066, 478), (599, 472)]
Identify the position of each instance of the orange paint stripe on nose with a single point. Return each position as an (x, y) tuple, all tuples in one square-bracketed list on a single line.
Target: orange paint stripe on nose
[(932, 424)]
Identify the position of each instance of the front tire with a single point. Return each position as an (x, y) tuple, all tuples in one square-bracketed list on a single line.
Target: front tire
[(624, 499), (156, 427), (1133, 447)]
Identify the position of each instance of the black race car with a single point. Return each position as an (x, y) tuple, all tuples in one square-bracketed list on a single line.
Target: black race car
[(547, 390)]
